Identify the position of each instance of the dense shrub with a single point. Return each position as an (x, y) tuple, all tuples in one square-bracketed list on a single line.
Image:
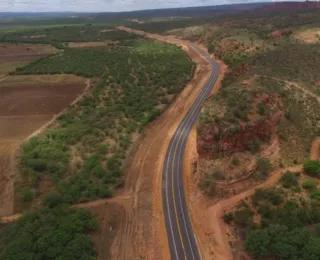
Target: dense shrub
[(289, 179), (243, 217), (312, 168), (309, 184), (58, 233), (283, 243)]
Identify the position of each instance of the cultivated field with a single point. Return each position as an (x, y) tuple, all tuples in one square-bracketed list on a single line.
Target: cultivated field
[(24, 108), (16, 55)]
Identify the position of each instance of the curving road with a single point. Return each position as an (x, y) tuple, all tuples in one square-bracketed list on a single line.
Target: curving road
[(182, 241)]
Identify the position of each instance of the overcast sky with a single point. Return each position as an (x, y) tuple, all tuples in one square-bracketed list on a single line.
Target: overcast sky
[(102, 5)]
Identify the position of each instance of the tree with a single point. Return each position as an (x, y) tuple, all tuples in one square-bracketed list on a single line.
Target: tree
[(257, 243), (289, 179)]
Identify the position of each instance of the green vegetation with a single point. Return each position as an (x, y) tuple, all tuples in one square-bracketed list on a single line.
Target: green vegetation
[(87, 63), (312, 168), (296, 62), (50, 233), (309, 184), (283, 243), (263, 168), (83, 153), (78, 33), (284, 215), (289, 180)]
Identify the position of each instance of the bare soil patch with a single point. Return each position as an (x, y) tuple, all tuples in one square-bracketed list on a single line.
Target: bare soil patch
[(23, 110), (26, 58), (6, 67), (10, 49), (42, 80), (24, 52), (85, 45), (309, 36), (13, 128), (37, 100)]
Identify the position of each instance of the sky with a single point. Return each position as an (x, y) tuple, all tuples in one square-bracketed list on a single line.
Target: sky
[(103, 5)]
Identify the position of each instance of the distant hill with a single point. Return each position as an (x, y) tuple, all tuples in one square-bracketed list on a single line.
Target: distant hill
[(200, 11), (187, 11), (10, 15), (290, 6)]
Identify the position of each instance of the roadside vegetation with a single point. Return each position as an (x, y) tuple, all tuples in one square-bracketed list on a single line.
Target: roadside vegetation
[(82, 154), (264, 118)]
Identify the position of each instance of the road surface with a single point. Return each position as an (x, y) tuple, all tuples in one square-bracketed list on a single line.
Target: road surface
[(181, 238)]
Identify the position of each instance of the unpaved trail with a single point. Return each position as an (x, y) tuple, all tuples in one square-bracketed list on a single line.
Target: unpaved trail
[(142, 232)]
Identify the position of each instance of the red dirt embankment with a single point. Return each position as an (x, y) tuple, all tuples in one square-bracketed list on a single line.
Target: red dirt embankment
[(142, 232)]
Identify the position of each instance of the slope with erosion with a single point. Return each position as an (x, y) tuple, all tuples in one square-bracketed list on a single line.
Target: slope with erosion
[(264, 118)]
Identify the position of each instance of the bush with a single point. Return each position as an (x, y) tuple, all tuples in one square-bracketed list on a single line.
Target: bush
[(52, 200), (316, 195), (243, 217), (261, 109), (309, 184), (257, 243), (228, 217), (312, 168), (263, 168), (289, 179), (254, 145), (27, 195), (219, 175)]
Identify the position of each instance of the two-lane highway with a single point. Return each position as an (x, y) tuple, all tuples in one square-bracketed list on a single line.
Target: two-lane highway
[(182, 241)]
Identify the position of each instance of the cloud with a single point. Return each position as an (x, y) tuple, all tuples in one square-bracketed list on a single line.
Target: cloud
[(102, 5)]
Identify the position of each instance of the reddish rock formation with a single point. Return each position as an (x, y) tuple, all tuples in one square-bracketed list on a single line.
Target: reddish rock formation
[(236, 138)]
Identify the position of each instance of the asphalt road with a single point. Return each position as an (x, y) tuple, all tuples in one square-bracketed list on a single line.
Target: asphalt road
[(182, 241)]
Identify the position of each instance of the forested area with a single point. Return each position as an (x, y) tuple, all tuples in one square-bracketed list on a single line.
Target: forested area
[(288, 215), (87, 63), (83, 154), (71, 33), (54, 232)]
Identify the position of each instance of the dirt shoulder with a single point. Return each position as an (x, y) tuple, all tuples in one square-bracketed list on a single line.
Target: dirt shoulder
[(142, 230)]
